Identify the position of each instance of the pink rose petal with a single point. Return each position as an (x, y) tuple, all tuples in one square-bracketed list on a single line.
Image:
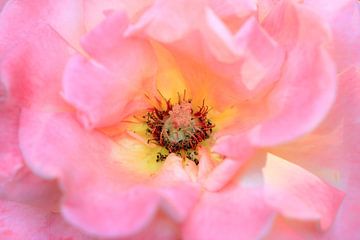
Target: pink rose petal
[(297, 193), (19, 222), (28, 36), (233, 213), (168, 21), (118, 61), (301, 99)]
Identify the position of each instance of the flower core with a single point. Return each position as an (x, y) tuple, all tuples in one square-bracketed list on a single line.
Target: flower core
[(178, 128)]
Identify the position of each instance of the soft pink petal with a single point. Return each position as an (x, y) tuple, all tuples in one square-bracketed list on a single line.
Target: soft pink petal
[(128, 57), (227, 8), (284, 229), (98, 191), (180, 200), (2, 3), (206, 165), (232, 69), (222, 174), (17, 182), (263, 58), (97, 212), (344, 19), (113, 99), (25, 187), (19, 222), (219, 38), (306, 90), (168, 21), (66, 18), (291, 24), (174, 184), (234, 213), (297, 193), (94, 11), (162, 228), (24, 54), (236, 147), (55, 146), (118, 62), (332, 153), (10, 155), (301, 98)]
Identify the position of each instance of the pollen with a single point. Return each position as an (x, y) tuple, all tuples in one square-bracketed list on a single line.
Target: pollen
[(179, 128)]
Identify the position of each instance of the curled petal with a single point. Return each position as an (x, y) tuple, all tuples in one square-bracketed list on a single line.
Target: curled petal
[(17, 182), (114, 78), (301, 99), (297, 193), (222, 174), (42, 47)]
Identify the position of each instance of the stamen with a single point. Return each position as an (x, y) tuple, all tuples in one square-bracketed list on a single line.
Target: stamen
[(178, 128)]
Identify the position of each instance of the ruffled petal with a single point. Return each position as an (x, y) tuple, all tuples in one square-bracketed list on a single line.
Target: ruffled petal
[(331, 152), (301, 99), (95, 196), (344, 20), (297, 193), (233, 213), (116, 74), (95, 11), (98, 189), (236, 147), (42, 47), (20, 221), (229, 8), (306, 90), (168, 21), (17, 182)]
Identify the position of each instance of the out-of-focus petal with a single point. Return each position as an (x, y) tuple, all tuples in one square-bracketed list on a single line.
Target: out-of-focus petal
[(168, 21), (299, 194), (162, 228), (228, 8), (10, 155), (95, 11), (344, 19), (17, 182), (20, 222), (27, 39), (234, 213)]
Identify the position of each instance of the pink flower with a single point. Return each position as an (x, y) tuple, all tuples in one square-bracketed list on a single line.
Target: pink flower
[(231, 119)]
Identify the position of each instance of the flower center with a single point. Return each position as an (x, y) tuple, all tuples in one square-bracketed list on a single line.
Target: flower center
[(179, 129)]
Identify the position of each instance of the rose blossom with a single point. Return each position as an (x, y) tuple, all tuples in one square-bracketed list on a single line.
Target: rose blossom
[(155, 119)]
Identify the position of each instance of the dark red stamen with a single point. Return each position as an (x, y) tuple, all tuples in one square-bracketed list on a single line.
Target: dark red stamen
[(178, 128)]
